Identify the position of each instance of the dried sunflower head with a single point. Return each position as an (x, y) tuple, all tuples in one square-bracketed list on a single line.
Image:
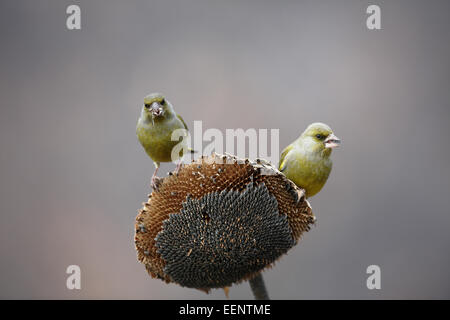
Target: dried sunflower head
[(219, 221)]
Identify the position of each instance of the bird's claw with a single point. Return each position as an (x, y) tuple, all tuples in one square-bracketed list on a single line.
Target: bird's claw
[(156, 183)]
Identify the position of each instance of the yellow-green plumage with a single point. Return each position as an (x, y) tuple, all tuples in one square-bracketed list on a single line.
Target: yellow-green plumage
[(156, 138), (307, 161), (155, 127)]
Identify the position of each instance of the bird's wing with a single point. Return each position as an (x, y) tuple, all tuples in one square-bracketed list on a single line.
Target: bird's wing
[(283, 161), (184, 123), (185, 126)]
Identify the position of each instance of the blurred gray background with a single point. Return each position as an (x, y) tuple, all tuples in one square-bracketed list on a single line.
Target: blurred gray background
[(73, 175)]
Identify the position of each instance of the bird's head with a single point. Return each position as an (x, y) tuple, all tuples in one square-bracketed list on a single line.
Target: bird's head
[(320, 138), (157, 106)]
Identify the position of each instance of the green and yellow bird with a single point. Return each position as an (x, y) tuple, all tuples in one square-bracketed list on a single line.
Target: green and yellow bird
[(307, 161), (157, 122)]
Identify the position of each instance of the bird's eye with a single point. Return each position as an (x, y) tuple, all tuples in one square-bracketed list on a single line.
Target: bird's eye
[(147, 105), (319, 136), (163, 101)]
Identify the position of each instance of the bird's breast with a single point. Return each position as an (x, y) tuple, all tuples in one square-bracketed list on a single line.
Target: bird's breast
[(308, 171), (156, 139)]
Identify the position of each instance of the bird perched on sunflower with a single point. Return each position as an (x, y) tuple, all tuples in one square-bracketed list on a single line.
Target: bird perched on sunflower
[(156, 124), (306, 161)]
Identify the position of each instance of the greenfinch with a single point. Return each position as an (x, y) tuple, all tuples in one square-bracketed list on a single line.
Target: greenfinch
[(307, 161), (157, 122)]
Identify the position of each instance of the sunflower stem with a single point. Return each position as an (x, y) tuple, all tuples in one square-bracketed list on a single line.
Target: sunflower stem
[(259, 288)]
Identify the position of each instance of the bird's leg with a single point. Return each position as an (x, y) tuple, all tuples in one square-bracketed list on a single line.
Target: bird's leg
[(179, 166), (155, 180)]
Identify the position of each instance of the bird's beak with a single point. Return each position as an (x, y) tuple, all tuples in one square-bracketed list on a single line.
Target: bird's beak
[(332, 141), (156, 109)]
